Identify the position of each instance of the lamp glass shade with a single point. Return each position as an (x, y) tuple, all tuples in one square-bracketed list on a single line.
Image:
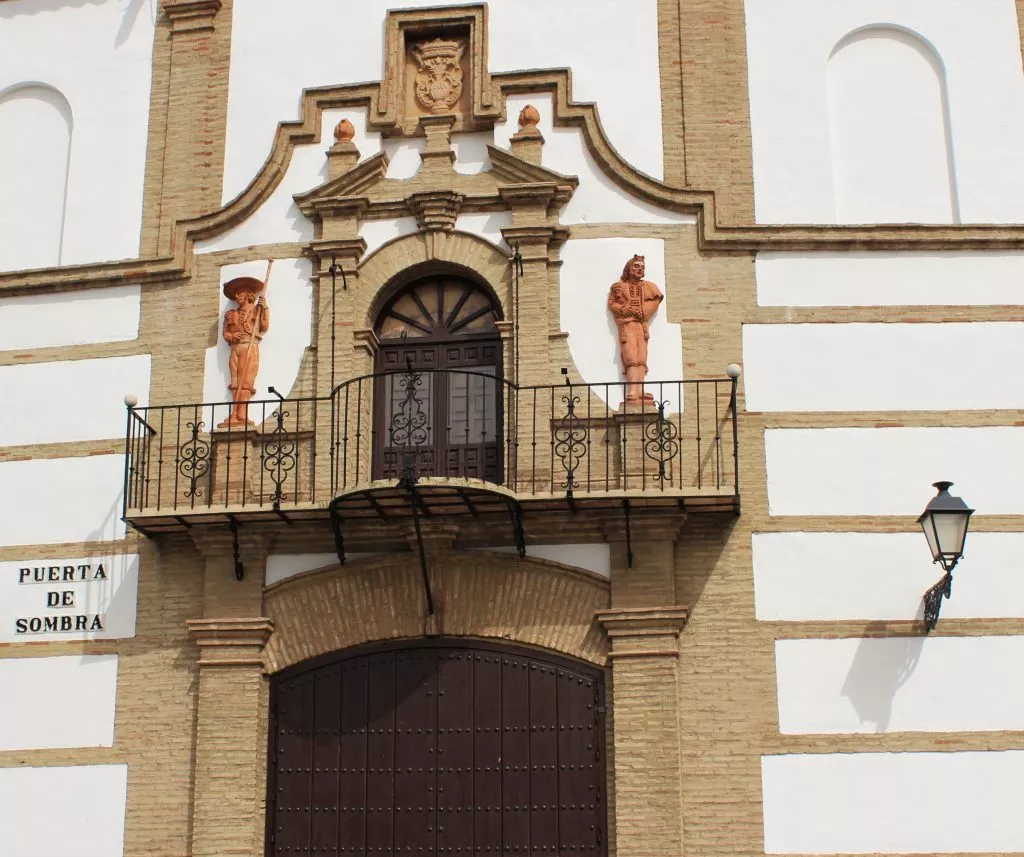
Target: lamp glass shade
[(944, 523)]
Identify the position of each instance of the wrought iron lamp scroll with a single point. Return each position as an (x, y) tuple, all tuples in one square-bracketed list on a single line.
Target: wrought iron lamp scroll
[(944, 522)]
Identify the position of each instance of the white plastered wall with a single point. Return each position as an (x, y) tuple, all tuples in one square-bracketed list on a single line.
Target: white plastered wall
[(893, 803), (883, 367), (281, 566), (52, 703), (271, 64), (597, 199), (71, 400), (70, 318), (788, 46), (888, 471), (590, 557), (114, 598), (290, 298), (589, 268), (899, 684), (99, 57), (805, 576), (67, 811), (880, 278), (54, 500)]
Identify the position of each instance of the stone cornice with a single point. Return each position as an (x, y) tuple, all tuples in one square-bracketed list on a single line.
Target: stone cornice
[(643, 632), (191, 15), (230, 642), (643, 621)]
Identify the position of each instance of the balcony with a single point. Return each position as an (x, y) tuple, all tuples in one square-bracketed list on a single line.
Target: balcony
[(390, 446)]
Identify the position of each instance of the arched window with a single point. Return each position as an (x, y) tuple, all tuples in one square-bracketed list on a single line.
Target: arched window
[(891, 150), (35, 149), (438, 396)]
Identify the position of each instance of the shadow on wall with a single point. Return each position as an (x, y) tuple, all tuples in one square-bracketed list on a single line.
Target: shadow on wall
[(35, 158), (132, 10), (891, 141), (880, 667)]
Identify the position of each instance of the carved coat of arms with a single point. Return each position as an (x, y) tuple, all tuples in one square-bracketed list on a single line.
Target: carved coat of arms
[(439, 78)]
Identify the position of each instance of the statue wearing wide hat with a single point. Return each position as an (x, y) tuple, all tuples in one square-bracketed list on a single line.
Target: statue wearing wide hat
[(244, 327)]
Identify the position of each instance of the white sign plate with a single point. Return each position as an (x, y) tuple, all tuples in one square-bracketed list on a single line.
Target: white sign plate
[(89, 598)]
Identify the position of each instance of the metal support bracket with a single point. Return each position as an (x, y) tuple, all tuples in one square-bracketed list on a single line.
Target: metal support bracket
[(339, 539), (629, 535), (408, 482), (239, 568), (517, 528), (933, 600)]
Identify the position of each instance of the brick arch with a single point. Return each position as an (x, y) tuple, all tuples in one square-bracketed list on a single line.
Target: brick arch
[(410, 257), (484, 595)]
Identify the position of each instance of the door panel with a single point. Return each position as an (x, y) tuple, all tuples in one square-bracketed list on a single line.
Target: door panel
[(438, 748)]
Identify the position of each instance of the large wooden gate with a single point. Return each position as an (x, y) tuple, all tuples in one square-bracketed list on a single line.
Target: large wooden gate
[(441, 747)]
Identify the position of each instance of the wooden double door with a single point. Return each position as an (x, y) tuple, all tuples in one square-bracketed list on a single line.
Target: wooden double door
[(439, 396), (442, 747)]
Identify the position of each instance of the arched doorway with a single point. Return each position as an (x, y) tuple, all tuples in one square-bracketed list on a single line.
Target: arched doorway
[(438, 399), (440, 746)]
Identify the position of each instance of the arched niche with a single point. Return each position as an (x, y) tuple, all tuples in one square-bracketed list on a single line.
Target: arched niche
[(527, 601), (35, 152), (892, 159)]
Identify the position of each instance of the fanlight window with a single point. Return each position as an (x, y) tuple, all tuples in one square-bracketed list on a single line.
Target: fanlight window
[(439, 307)]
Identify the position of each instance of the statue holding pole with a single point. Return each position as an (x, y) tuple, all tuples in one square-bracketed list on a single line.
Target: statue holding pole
[(244, 327)]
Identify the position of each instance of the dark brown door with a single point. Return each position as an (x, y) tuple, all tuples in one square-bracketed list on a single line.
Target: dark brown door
[(438, 748), (440, 403)]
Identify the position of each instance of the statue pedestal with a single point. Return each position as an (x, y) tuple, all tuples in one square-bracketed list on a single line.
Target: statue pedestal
[(647, 446), (236, 465)]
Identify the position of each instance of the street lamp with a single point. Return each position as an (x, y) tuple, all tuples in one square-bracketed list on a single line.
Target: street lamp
[(944, 522)]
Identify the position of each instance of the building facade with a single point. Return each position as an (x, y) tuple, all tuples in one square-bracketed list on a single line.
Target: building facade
[(363, 496)]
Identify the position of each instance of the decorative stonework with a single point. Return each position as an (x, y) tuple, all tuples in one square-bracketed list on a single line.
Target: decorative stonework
[(439, 79), (435, 63), (436, 211)]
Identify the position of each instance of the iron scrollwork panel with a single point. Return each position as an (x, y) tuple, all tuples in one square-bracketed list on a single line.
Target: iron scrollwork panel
[(661, 442), (409, 421), (571, 436), (194, 459), (279, 457)]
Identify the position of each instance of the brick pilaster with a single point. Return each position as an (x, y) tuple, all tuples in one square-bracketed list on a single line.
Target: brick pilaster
[(647, 767)]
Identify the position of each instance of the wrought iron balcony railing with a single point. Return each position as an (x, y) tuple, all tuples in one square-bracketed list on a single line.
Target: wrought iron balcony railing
[(465, 428)]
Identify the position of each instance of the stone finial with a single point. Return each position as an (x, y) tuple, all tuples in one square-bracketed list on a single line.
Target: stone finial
[(343, 155), (529, 117), (344, 131), (527, 142)]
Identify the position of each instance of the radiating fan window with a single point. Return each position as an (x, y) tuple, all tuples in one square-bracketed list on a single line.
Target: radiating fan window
[(438, 307)]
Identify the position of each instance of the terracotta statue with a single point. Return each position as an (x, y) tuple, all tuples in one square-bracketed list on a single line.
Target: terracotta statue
[(243, 329), (633, 302)]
